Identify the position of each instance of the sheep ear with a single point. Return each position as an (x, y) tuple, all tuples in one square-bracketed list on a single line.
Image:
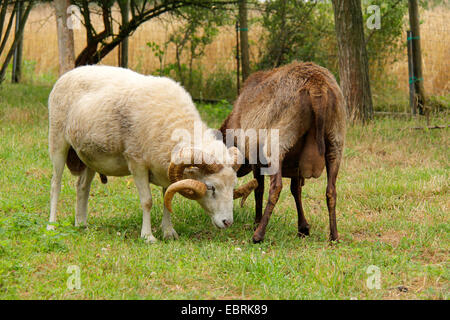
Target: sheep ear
[(193, 172)]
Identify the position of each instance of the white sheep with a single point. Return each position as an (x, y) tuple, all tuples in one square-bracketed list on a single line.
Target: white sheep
[(117, 122)]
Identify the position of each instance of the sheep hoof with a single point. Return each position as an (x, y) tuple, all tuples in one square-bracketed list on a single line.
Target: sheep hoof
[(303, 231), (170, 234), (257, 238), (149, 238)]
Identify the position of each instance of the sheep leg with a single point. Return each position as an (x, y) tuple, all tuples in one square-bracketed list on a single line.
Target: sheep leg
[(58, 160), (274, 193), (83, 188), (296, 190), (166, 223), (332, 164), (259, 195), (140, 175)]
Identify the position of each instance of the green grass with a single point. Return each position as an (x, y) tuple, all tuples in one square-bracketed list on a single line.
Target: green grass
[(393, 212)]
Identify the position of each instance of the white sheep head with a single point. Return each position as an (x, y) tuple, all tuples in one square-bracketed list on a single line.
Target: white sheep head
[(199, 176)]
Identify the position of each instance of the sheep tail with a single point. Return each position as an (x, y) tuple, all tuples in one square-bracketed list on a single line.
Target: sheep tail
[(319, 102)]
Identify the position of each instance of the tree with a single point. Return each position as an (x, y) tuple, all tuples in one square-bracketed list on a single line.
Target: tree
[(193, 29), (5, 32), (66, 49), (124, 6), (243, 23), (353, 60), (16, 73), (296, 30), (99, 44), (384, 44), (305, 30)]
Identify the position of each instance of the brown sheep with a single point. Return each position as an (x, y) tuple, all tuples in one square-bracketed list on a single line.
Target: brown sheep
[(304, 102)]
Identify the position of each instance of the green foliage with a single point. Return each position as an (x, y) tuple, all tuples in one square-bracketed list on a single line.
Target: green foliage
[(427, 4), (383, 44), (293, 30), (192, 31), (296, 30), (19, 9), (300, 30), (29, 74), (220, 85), (158, 52), (214, 114), (439, 103)]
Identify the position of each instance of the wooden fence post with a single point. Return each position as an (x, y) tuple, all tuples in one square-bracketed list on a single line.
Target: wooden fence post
[(417, 54), (412, 91)]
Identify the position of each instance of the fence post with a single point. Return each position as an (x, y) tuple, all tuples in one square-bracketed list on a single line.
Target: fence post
[(411, 78), (414, 22)]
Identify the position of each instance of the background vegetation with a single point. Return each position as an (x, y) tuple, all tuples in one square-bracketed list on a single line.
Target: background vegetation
[(198, 48)]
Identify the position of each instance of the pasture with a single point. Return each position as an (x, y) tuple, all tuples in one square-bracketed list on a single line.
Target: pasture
[(392, 213)]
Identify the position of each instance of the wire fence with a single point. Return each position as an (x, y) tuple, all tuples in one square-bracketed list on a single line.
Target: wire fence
[(435, 46)]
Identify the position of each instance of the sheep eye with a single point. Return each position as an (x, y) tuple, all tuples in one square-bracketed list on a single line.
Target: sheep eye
[(210, 187)]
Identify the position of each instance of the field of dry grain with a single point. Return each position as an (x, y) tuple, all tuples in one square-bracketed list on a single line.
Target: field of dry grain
[(436, 53), (40, 48), (41, 44)]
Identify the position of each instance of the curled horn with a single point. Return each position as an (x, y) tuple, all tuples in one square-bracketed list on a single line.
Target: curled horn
[(186, 158), (197, 189), (245, 190)]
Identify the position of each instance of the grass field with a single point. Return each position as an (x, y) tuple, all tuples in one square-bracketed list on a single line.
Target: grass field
[(393, 213)]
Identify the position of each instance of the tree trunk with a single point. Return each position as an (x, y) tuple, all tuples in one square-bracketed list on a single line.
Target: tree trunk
[(244, 39), (238, 61), (17, 37), (65, 37), (353, 59), (416, 54), (123, 48), (16, 74)]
